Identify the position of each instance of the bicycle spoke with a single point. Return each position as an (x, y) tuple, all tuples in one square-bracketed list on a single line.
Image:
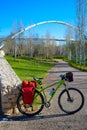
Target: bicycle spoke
[(72, 104), (33, 108)]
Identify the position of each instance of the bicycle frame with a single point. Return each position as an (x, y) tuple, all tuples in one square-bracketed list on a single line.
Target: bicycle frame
[(42, 90)]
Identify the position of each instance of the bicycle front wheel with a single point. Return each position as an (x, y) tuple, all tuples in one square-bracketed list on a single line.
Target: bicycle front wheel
[(71, 100), (31, 109)]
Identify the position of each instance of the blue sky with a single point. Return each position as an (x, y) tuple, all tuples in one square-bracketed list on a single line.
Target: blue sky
[(34, 11)]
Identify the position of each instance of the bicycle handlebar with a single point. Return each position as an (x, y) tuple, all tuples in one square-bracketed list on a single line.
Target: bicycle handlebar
[(67, 76)]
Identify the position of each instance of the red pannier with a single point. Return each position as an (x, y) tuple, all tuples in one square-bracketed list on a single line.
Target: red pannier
[(28, 90)]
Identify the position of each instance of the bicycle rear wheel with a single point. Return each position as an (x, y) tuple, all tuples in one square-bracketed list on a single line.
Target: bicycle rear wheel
[(31, 109), (71, 104)]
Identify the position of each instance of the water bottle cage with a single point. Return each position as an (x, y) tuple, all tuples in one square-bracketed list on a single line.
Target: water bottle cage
[(52, 91)]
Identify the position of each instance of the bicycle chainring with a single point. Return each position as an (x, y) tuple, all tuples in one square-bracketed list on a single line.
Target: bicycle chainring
[(47, 105)]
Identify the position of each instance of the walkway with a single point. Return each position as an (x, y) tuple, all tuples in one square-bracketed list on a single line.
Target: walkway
[(53, 118)]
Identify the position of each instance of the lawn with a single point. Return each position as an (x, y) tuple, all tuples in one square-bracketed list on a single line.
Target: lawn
[(27, 68)]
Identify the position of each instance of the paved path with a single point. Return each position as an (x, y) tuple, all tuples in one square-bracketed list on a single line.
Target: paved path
[(53, 118)]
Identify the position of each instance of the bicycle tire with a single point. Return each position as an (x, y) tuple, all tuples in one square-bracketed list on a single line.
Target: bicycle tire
[(64, 103), (31, 109)]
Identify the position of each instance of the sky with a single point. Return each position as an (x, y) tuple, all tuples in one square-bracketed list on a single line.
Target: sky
[(33, 11)]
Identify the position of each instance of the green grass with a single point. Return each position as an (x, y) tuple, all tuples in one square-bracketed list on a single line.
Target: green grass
[(27, 68)]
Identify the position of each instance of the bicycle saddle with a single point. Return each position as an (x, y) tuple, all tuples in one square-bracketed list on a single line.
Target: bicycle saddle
[(37, 79)]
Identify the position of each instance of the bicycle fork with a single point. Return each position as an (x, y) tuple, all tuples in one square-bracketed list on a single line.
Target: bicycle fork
[(69, 98)]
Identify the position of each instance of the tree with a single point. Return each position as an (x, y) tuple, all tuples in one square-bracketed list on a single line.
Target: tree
[(50, 46), (81, 23), (20, 40), (13, 41), (70, 35)]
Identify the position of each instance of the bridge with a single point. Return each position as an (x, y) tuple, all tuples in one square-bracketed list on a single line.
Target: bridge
[(52, 39), (12, 36)]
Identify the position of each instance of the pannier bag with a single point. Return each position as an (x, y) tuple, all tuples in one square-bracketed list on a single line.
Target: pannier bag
[(28, 91), (69, 76)]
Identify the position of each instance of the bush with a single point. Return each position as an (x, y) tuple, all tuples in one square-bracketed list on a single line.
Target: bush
[(80, 67)]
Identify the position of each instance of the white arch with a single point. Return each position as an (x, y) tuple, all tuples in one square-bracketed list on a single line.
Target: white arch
[(44, 22), (57, 22), (37, 24)]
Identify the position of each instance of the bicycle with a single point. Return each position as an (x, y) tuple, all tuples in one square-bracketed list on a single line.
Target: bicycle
[(70, 100)]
